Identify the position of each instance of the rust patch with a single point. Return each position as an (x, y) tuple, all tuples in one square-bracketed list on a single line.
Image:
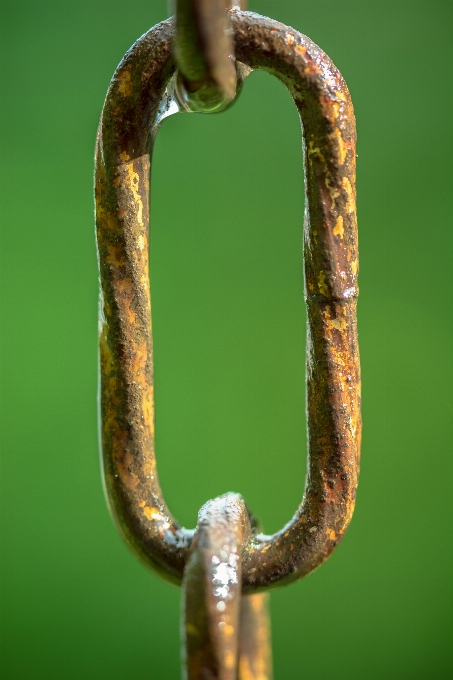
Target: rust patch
[(125, 83)]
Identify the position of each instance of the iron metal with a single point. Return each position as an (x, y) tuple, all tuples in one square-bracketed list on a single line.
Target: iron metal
[(204, 52), (143, 90)]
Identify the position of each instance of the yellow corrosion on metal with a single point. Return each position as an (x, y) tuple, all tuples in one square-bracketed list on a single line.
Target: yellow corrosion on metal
[(148, 408), (245, 669), (132, 180), (301, 49), (109, 221), (125, 83), (338, 230), (337, 318), (333, 190), (322, 285), (230, 659), (335, 108), (312, 149), (341, 149), (339, 324), (255, 655), (124, 461), (227, 629), (350, 194), (191, 629), (256, 603), (151, 513)]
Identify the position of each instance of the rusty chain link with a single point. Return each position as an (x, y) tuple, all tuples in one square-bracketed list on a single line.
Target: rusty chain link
[(222, 563), (204, 53)]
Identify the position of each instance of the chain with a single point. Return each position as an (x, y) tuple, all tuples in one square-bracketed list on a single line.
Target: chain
[(225, 563), (204, 52)]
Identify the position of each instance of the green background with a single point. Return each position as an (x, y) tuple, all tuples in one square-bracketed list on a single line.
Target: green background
[(228, 313)]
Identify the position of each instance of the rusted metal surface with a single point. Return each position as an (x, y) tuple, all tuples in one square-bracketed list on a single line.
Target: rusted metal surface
[(204, 53), (226, 635), (254, 635), (130, 113), (331, 268), (141, 93), (212, 589)]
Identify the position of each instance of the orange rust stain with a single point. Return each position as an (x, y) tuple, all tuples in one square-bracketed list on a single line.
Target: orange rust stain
[(151, 513), (138, 359), (350, 200), (245, 670), (339, 324), (148, 408), (338, 139), (315, 150), (228, 630), (331, 535), (230, 660), (256, 602), (300, 49), (334, 109), (128, 478), (339, 229), (130, 180), (313, 67)]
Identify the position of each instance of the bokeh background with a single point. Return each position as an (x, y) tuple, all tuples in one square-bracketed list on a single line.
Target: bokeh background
[(228, 313)]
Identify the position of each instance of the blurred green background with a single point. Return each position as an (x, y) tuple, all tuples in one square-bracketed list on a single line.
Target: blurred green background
[(228, 313)]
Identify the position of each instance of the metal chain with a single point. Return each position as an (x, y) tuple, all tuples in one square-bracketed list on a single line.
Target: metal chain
[(225, 635), (222, 563), (205, 54)]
